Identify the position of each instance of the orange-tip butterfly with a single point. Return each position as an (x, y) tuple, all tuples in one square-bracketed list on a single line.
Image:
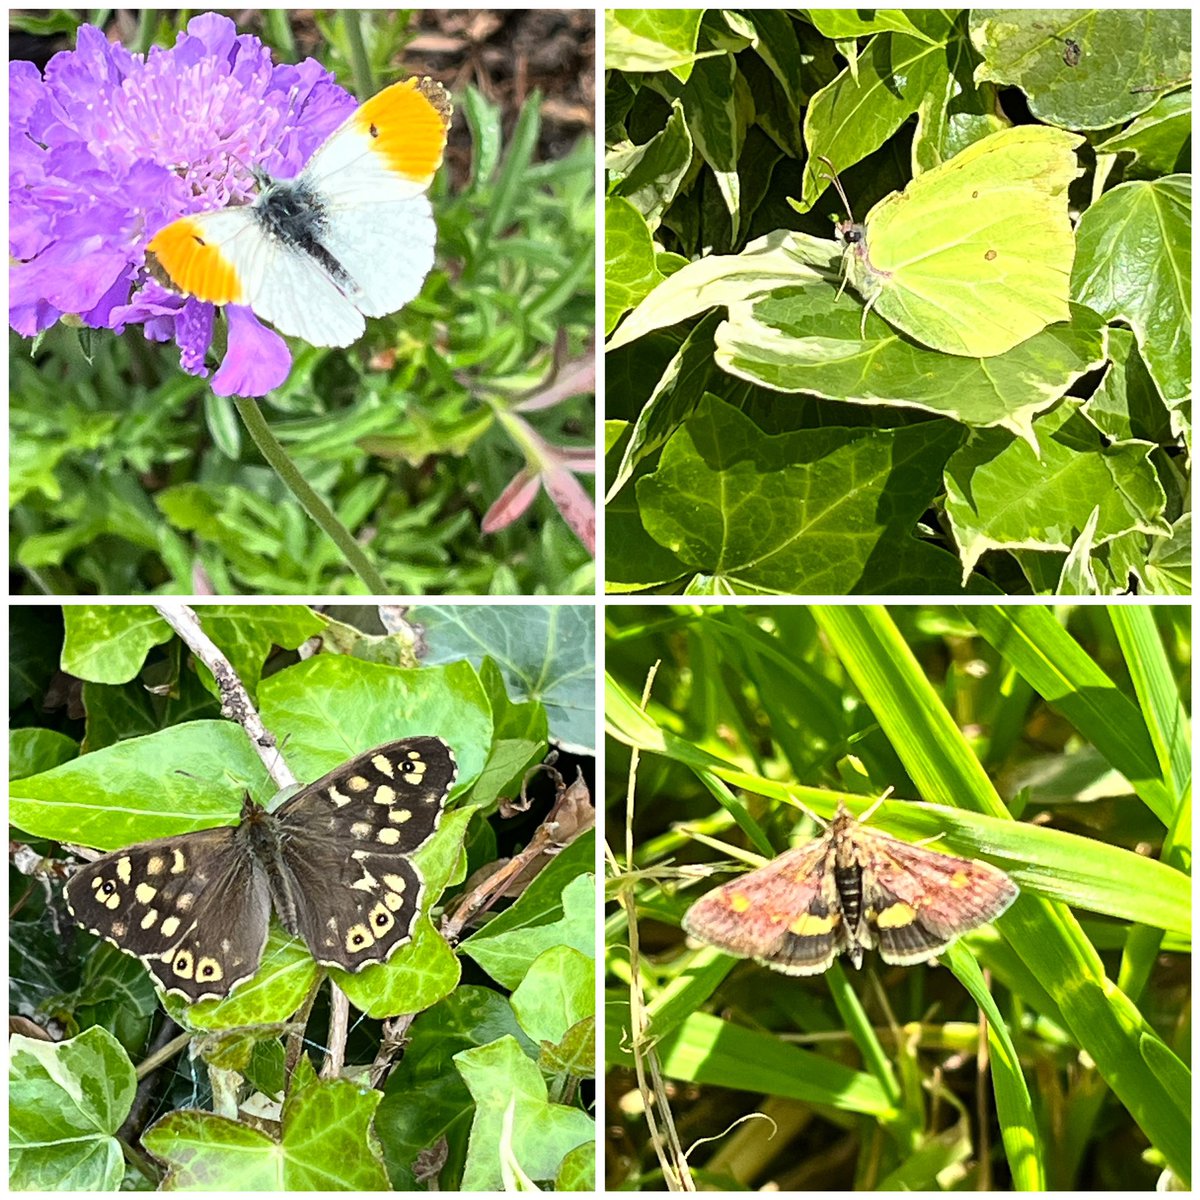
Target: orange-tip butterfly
[(352, 236)]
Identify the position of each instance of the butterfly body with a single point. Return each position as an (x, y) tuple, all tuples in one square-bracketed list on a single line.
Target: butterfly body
[(975, 255), (333, 862), (847, 892), (352, 236)]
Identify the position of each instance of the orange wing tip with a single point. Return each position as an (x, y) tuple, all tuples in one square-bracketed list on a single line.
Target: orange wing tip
[(194, 265), (407, 123)]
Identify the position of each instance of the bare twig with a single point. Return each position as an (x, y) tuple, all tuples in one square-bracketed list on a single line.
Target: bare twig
[(653, 1090), (236, 704)]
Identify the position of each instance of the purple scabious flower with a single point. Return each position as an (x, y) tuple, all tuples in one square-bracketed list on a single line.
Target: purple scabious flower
[(111, 146)]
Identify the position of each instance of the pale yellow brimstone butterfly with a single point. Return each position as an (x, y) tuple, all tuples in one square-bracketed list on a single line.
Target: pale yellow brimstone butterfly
[(974, 256)]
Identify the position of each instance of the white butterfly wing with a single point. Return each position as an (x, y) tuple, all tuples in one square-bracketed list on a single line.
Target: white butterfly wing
[(227, 257)]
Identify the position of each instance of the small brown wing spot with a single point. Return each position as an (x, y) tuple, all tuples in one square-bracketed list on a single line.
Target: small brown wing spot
[(357, 783), (119, 929), (123, 868), (145, 893), (185, 901), (990, 255), (361, 829)]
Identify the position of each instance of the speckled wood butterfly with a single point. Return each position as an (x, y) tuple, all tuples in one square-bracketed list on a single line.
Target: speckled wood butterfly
[(332, 860)]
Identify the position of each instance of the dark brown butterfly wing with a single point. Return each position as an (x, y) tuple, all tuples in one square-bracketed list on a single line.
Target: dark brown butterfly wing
[(194, 908), (347, 885)]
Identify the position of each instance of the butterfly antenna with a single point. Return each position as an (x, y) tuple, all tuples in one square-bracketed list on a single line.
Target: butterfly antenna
[(832, 176)]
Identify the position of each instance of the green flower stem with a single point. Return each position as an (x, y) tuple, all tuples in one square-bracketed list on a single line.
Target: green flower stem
[(312, 504)]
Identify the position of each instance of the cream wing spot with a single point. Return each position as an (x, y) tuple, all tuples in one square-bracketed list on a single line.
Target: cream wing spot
[(398, 816), (384, 765), (360, 830), (145, 893), (396, 882), (381, 919), (178, 862), (384, 794), (155, 864), (358, 938), (123, 868), (388, 836), (185, 901), (149, 920), (170, 926), (119, 929), (357, 783), (340, 799), (393, 900)]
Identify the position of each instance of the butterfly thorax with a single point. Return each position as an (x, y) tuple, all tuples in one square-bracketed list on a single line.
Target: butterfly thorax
[(291, 212), (263, 837)]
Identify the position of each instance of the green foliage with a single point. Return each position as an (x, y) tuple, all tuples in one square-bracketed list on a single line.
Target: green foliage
[(129, 478), (525, 1023), (1056, 746), (755, 411)]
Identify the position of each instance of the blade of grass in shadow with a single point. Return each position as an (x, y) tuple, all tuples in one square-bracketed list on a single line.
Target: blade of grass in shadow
[(1031, 639)]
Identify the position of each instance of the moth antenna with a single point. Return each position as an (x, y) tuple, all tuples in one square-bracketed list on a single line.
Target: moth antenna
[(870, 812), (820, 820)]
